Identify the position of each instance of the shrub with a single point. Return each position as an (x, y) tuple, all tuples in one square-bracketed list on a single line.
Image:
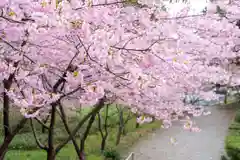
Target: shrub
[(111, 154), (237, 117)]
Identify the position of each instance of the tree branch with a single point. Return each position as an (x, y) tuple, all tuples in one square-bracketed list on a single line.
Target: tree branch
[(63, 117), (40, 122), (96, 109), (40, 145)]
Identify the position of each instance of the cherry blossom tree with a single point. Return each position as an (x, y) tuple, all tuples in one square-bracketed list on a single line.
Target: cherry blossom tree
[(102, 52)]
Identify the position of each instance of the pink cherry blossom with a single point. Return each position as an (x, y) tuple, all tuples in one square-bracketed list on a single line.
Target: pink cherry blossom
[(3, 3), (13, 34), (142, 58)]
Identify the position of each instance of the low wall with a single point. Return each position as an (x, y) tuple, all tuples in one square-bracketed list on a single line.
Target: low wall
[(232, 143)]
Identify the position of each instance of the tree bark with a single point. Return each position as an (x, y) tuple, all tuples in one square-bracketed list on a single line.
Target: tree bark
[(104, 136), (85, 135), (103, 143), (40, 145), (51, 154), (137, 124), (8, 139), (153, 119), (120, 128), (95, 110), (8, 136), (6, 125), (129, 117), (44, 123), (64, 120), (6, 85), (4, 146), (101, 131)]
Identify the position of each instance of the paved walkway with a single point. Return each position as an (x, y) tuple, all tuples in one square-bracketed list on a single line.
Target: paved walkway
[(205, 145)]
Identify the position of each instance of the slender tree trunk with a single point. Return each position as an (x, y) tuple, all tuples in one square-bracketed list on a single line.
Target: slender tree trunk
[(64, 120), (44, 122), (43, 130), (95, 110), (103, 143), (4, 146), (101, 132), (85, 135), (8, 139), (7, 135), (6, 85), (104, 136), (124, 131), (123, 127), (225, 98), (51, 154), (120, 128), (137, 124), (153, 119), (129, 117), (104, 139), (6, 125)]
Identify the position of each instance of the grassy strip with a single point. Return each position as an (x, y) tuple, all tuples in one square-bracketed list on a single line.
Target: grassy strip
[(23, 146), (92, 144), (232, 142)]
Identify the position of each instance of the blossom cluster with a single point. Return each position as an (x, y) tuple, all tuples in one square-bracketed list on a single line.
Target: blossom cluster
[(141, 57)]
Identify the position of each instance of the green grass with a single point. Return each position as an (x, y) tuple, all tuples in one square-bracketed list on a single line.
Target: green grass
[(237, 117), (23, 146), (232, 142)]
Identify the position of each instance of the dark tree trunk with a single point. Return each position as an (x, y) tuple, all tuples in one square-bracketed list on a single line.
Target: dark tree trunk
[(64, 120), (84, 137), (8, 139), (82, 155), (4, 146), (153, 119), (120, 128), (125, 122), (43, 130), (51, 154), (103, 143), (137, 124), (95, 110), (124, 131), (104, 136), (6, 125), (44, 122), (6, 85), (8, 136)]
